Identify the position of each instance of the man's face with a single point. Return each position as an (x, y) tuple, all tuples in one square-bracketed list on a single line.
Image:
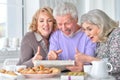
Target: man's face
[(66, 24)]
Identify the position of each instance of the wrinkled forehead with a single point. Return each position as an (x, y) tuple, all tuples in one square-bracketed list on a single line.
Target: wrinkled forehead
[(63, 18)]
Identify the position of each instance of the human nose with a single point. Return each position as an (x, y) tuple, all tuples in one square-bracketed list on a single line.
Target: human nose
[(46, 23)]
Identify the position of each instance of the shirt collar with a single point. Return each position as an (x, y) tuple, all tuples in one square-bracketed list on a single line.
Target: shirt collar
[(72, 34), (38, 36)]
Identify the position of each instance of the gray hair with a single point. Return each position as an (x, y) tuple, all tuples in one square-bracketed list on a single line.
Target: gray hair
[(102, 20), (65, 8)]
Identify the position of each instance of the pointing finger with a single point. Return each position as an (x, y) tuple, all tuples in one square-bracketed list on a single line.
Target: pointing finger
[(58, 51)]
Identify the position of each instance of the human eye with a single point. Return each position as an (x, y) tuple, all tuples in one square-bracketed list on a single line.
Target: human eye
[(50, 20), (41, 20), (68, 22), (89, 29)]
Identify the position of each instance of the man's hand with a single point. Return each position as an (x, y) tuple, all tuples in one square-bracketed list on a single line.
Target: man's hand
[(53, 55)]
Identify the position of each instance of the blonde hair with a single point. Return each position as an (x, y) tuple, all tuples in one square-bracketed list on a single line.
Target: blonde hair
[(46, 10), (102, 20)]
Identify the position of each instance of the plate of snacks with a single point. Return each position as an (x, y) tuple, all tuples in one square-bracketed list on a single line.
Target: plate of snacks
[(40, 72)]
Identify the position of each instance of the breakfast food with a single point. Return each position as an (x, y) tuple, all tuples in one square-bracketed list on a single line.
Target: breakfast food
[(76, 73), (8, 72), (73, 76), (39, 70), (2, 71), (54, 70)]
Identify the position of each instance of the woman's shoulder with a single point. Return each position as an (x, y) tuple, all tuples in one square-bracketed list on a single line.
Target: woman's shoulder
[(116, 31), (29, 36), (115, 34)]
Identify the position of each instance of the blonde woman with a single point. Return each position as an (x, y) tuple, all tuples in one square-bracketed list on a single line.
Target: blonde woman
[(35, 43)]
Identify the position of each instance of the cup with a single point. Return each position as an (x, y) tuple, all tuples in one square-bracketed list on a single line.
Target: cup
[(87, 68), (100, 69)]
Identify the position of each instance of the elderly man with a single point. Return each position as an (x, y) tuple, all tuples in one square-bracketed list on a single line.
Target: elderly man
[(69, 36)]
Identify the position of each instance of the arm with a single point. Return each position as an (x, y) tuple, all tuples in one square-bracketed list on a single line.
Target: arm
[(80, 57), (26, 53), (114, 51), (54, 47)]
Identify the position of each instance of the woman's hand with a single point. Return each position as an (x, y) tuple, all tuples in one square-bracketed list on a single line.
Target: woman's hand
[(37, 55), (75, 68), (79, 57), (53, 55)]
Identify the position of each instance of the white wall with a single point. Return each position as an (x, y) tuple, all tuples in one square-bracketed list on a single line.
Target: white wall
[(106, 5), (32, 5), (14, 18), (30, 8), (117, 9), (82, 5)]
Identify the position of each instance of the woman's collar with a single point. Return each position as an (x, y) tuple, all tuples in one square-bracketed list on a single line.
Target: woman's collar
[(38, 36)]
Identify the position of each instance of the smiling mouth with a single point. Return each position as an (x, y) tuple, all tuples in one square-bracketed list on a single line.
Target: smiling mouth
[(45, 29), (68, 30)]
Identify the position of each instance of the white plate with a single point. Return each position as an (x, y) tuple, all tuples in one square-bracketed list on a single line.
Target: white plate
[(11, 77), (39, 76), (54, 63)]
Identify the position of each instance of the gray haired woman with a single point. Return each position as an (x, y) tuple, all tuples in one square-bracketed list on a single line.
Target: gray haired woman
[(106, 32)]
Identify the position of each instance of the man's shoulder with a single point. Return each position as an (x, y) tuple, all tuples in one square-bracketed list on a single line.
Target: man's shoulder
[(82, 33)]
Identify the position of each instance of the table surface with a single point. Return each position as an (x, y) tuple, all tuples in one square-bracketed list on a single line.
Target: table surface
[(86, 78), (45, 79), (57, 78)]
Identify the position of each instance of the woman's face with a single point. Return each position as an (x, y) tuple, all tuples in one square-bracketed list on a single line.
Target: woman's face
[(91, 30), (45, 24)]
